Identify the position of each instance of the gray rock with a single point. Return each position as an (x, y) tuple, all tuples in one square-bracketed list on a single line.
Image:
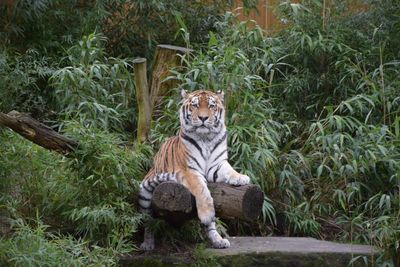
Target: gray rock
[(266, 251), (290, 251)]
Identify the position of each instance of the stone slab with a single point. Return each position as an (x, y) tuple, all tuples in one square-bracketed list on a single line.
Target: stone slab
[(267, 251), (245, 245), (290, 251)]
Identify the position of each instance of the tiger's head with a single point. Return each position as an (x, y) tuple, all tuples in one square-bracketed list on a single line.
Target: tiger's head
[(202, 112)]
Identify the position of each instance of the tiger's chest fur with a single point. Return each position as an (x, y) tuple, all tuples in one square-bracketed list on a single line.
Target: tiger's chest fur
[(206, 154)]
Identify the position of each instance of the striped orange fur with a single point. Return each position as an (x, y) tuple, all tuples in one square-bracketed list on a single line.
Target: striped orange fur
[(196, 156)]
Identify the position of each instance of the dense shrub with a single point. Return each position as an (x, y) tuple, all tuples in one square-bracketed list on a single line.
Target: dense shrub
[(23, 82), (95, 89), (323, 139), (91, 194), (46, 249), (133, 27)]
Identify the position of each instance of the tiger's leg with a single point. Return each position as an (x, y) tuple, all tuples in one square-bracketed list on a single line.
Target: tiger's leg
[(145, 195), (226, 174), (205, 207)]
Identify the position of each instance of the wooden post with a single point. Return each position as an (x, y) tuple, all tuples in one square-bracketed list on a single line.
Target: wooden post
[(143, 100)]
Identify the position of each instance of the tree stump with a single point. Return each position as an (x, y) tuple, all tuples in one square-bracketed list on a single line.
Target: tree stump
[(166, 58), (150, 95)]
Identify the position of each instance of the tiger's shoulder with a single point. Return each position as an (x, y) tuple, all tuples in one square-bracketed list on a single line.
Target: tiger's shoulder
[(171, 157)]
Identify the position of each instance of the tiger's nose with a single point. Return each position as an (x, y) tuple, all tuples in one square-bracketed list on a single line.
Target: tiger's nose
[(203, 119)]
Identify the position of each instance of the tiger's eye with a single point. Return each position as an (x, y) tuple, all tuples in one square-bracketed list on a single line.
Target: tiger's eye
[(195, 102)]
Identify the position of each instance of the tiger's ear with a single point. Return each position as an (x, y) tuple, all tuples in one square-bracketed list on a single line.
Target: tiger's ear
[(184, 94), (221, 95)]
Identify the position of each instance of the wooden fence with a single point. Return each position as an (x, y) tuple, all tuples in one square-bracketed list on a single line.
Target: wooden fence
[(266, 14)]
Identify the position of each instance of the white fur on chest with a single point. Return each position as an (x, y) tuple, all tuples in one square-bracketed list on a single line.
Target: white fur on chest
[(206, 154)]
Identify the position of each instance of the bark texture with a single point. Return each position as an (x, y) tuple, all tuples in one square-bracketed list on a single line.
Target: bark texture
[(37, 132), (143, 99), (174, 203), (149, 96), (166, 58)]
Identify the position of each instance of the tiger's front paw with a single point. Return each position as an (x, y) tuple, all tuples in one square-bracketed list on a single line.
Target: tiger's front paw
[(221, 243), (239, 179)]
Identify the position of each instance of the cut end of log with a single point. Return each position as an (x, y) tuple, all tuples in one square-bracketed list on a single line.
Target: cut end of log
[(252, 203), (177, 49), (139, 60)]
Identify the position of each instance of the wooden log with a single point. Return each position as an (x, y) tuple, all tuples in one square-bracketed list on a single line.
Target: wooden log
[(167, 57), (143, 99), (241, 202), (175, 204), (37, 132)]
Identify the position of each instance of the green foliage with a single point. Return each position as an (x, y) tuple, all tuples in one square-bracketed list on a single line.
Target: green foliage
[(22, 81), (322, 97), (94, 89), (313, 115), (136, 27), (93, 192), (133, 27), (34, 246), (350, 149), (25, 170), (108, 175), (48, 25)]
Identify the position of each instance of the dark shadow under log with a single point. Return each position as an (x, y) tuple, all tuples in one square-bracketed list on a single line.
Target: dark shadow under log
[(174, 203)]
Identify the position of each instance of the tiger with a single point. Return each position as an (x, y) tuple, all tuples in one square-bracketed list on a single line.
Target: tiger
[(196, 156)]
